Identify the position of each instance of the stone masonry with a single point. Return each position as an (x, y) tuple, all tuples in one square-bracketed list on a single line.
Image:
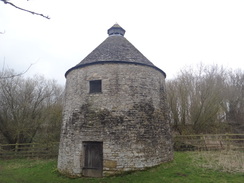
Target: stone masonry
[(129, 117)]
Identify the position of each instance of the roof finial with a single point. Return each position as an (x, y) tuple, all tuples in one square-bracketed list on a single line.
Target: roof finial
[(116, 30)]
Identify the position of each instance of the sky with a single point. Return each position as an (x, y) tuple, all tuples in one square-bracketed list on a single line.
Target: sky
[(172, 34)]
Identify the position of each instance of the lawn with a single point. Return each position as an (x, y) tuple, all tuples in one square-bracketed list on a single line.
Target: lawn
[(186, 168)]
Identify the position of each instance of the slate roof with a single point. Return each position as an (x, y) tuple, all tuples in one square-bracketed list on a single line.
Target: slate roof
[(115, 49)]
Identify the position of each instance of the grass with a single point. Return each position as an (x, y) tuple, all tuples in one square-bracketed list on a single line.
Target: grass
[(186, 168), (226, 160)]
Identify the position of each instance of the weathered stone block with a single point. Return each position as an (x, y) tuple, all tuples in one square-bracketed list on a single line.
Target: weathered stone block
[(109, 164)]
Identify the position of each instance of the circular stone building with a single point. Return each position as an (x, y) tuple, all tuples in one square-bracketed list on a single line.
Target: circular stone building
[(115, 116)]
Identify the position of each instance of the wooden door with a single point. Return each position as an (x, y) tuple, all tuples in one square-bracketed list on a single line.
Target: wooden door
[(93, 159)]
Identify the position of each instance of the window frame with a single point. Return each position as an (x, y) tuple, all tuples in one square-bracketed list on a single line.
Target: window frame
[(95, 86)]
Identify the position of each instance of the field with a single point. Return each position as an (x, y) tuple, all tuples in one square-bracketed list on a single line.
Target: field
[(187, 167)]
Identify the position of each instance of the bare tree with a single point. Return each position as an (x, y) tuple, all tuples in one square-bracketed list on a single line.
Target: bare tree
[(29, 11), (25, 106), (234, 101), (196, 99)]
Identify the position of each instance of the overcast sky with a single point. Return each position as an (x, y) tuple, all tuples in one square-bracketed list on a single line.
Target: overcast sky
[(170, 33)]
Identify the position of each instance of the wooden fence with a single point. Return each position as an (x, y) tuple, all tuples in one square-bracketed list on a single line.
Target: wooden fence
[(209, 142), (181, 143), (46, 150)]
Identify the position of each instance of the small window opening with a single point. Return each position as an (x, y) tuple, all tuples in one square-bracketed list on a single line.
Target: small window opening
[(96, 86)]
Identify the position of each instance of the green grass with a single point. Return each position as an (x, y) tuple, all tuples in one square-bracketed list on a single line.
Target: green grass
[(182, 170)]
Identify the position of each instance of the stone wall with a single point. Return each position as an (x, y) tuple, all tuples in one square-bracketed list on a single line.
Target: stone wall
[(130, 117)]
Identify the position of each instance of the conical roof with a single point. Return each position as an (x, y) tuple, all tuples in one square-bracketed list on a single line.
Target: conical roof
[(115, 49)]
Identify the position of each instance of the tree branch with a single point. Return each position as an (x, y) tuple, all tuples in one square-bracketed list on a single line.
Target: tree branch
[(15, 75), (32, 12)]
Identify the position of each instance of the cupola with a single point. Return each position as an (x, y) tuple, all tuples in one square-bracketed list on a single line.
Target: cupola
[(116, 30)]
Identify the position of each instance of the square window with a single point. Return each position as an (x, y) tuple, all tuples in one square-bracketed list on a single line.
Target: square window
[(96, 86)]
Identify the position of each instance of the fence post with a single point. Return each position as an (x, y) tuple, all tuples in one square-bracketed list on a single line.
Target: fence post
[(32, 150), (16, 149), (228, 141)]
